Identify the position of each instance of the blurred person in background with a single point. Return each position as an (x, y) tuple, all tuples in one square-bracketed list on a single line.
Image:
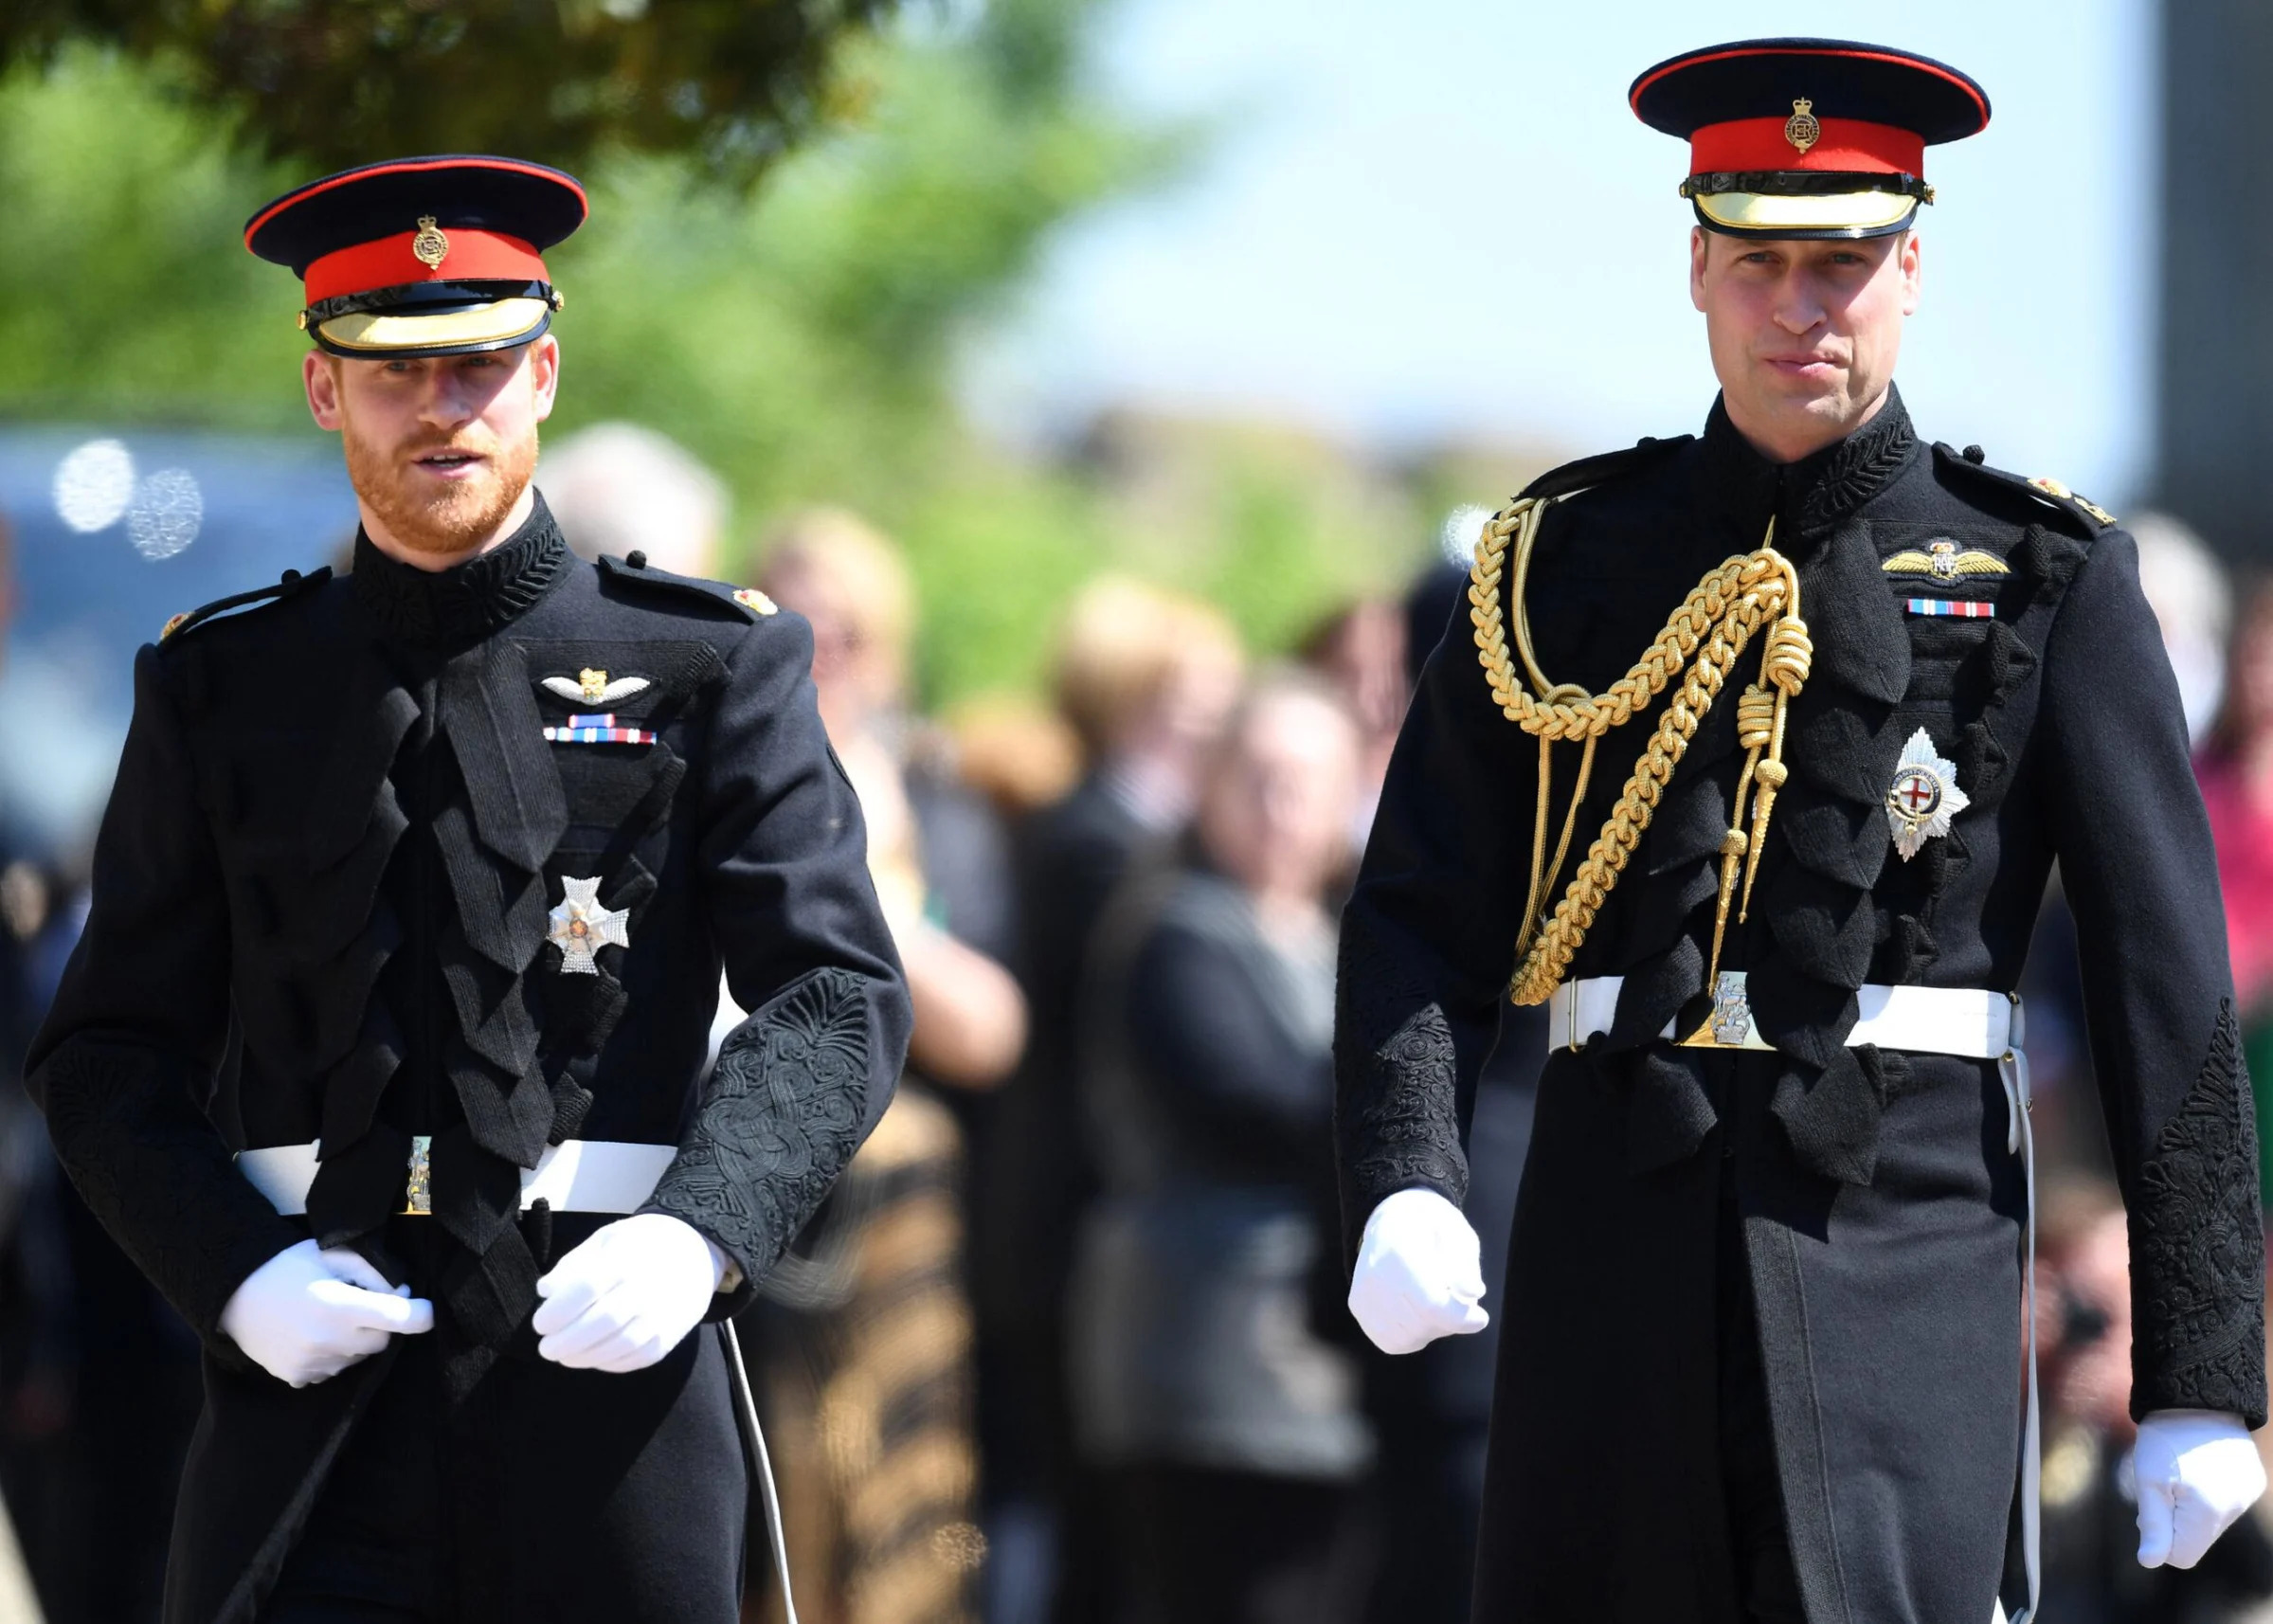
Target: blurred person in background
[(1015, 750), (620, 488), (2193, 599), (1362, 651), (1228, 1429), (2089, 1494), (860, 1342), (854, 584), (1145, 678)]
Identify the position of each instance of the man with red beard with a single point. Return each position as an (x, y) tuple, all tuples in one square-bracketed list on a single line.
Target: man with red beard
[(384, 1050)]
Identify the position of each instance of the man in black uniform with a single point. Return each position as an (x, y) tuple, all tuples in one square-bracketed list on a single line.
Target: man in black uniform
[(1763, 1357), (383, 1052)]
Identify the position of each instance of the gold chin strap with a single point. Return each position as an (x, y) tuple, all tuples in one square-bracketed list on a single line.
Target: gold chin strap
[(1700, 644)]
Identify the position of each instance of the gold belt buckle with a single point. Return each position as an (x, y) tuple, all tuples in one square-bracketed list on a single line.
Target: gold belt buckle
[(418, 1190), (1730, 1022)]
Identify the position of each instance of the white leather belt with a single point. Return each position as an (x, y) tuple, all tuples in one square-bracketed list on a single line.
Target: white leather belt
[(1924, 1019), (578, 1176)]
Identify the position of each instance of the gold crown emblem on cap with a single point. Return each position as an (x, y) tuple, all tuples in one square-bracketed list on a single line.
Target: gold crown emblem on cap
[(1801, 128), (430, 247)]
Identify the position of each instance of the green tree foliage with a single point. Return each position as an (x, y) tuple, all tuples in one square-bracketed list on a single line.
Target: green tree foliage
[(805, 343), (801, 339), (331, 82)]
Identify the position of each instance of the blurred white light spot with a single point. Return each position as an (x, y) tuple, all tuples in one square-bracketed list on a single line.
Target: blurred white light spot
[(94, 484), (1462, 526), (166, 511)]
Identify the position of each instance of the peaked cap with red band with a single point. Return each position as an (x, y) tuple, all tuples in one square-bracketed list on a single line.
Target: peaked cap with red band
[(1808, 138), (436, 256)]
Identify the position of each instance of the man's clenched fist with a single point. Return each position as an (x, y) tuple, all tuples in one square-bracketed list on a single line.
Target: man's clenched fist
[(306, 1314)]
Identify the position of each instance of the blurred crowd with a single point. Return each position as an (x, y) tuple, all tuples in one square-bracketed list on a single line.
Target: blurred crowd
[(1066, 1344)]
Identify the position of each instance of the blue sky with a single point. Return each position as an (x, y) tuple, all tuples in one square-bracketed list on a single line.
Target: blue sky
[(1437, 217)]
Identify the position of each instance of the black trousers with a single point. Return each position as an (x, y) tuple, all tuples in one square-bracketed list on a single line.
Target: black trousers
[(1203, 1547), (1767, 1585), (327, 1610)]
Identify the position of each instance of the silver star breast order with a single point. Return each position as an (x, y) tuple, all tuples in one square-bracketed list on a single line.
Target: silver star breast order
[(581, 926), (1923, 797)]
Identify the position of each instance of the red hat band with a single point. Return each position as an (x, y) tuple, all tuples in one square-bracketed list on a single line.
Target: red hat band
[(1839, 145), (427, 255)]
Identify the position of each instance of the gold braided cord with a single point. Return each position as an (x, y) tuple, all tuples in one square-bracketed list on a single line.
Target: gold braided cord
[(1700, 644)]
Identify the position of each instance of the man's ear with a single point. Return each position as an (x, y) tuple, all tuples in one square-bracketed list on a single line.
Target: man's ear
[(544, 374), (1697, 258), (319, 374), (1912, 274)]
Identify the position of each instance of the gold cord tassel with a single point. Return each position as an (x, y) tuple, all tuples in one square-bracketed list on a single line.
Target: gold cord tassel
[(1700, 644), (1761, 711)]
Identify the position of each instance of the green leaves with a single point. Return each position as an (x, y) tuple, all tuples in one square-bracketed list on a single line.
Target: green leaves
[(800, 337), (330, 83)]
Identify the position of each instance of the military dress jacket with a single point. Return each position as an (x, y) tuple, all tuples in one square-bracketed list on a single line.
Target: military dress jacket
[(324, 900), (1880, 1207)]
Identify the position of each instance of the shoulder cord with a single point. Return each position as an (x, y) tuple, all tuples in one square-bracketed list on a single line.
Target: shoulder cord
[(1700, 642)]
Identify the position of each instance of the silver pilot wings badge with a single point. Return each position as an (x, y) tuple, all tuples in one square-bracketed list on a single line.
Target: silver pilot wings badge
[(590, 686), (1925, 795)]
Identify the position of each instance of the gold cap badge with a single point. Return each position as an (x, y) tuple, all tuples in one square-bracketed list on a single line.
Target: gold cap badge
[(430, 247), (1801, 128)]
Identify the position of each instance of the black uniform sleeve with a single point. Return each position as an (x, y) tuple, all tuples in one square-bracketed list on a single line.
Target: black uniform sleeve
[(783, 866), (1428, 939), (1201, 1029), (124, 1066), (2142, 876)]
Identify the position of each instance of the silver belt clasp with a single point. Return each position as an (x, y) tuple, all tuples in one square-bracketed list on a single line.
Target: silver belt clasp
[(1729, 1026), (418, 1189)]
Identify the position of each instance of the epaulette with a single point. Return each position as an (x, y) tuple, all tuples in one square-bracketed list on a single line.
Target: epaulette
[(1590, 471), (293, 584), (2093, 518), (633, 570)]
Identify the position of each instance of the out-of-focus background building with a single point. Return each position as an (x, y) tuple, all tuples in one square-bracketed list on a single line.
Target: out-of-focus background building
[(1110, 381)]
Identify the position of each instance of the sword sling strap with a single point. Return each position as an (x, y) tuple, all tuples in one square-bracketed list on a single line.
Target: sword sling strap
[(1694, 654), (761, 1462)]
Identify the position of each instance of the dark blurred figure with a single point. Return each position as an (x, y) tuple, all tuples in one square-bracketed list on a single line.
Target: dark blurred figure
[(1229, 1431), (1432, 1409), (99, 1384), (2091, 1573), (1145, 678)]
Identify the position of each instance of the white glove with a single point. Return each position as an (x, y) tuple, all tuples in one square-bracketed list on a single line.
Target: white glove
[(626, 1297), (306, 1314), (2197, 1470), (1420, 1275)]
